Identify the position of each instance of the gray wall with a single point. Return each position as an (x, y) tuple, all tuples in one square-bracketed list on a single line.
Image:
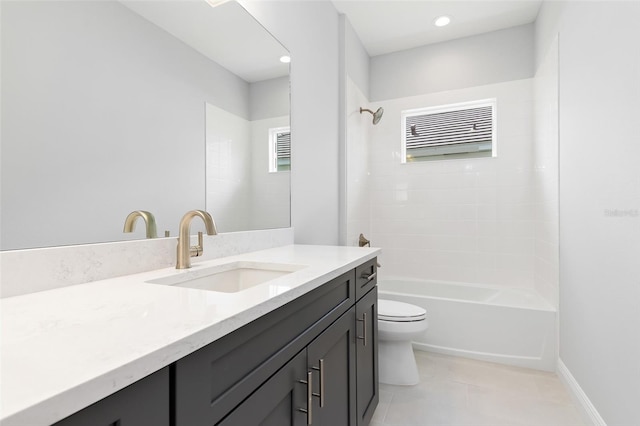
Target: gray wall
[(599, 152), (357, 61), (493, 57), (309, 30), (102, 114), (269, 98)]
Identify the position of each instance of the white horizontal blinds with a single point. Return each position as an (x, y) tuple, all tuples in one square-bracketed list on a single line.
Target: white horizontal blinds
[(283, 145), (469, 126), (283, 151)]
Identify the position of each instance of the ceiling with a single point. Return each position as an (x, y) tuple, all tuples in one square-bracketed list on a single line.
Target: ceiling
[(226, 33), (386, 26)]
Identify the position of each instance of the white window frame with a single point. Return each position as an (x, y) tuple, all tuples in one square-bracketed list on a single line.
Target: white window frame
[(447, 108), (273, 148)]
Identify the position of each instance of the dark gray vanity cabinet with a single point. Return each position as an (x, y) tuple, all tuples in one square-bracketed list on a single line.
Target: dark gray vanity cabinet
[(211, 382), (146, 402), (311, 361), (367, 356)]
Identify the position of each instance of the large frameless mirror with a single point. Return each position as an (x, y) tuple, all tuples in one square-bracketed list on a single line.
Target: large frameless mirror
[(109, 107)]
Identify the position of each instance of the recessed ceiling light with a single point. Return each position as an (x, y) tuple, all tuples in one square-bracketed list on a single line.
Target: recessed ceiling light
[(441, 21), (214, 3), (285, 59)]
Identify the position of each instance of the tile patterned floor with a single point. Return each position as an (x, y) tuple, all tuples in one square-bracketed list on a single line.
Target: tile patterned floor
[(462, 392)]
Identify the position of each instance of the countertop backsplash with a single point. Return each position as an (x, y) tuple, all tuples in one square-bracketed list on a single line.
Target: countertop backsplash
[(33, 270)]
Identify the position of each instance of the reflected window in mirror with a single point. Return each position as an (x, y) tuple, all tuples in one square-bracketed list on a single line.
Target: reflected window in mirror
[(279, 149)]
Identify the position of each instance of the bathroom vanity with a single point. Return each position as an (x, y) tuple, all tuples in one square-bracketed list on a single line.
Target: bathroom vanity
[(298, 349)]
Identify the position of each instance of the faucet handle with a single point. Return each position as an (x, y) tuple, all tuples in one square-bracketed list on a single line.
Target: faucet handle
[(195, 251)]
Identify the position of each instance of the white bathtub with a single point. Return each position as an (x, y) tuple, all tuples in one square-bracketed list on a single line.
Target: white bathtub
[(509, 326)]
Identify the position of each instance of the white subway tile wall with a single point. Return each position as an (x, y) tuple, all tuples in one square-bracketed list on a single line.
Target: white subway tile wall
[(468, 220)]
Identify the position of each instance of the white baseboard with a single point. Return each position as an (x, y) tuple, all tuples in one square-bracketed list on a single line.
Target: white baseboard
[(581, 399)]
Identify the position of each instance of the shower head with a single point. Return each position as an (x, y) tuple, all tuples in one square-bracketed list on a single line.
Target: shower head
[(376, 115)]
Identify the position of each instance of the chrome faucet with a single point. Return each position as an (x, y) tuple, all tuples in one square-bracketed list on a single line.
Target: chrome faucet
[(149, 222), (185, 251)]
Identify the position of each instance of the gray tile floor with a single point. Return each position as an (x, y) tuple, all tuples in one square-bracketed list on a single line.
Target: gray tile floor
[(463, 392)]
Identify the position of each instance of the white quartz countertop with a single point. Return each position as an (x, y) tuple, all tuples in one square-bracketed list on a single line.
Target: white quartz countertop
[(62, 350)]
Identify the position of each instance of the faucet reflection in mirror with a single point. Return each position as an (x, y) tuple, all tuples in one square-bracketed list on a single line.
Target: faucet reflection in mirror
[(184, 251), (149, 222)]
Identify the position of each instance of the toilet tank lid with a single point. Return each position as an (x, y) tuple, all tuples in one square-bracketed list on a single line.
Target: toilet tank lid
[(394, 309)]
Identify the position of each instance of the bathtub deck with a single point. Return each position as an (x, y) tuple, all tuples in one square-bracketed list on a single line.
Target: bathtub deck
[(463, 392)]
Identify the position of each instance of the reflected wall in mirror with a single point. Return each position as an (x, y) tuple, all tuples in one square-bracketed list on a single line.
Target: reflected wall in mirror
[(103, 113)]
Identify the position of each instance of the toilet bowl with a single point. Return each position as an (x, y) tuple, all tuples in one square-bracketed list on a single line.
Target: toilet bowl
[(398, 324)]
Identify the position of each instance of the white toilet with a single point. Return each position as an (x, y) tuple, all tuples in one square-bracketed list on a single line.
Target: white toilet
[(398, 324)]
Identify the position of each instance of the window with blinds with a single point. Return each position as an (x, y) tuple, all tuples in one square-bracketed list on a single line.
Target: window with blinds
[(279, 149), (449, 131)]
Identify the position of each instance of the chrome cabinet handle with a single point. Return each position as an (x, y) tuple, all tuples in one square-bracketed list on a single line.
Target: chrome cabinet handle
[(364, 328), (309, 409), (321, 384), (369, 277)]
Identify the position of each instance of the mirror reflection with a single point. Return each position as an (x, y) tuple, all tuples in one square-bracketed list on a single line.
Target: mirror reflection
[(109, 108)]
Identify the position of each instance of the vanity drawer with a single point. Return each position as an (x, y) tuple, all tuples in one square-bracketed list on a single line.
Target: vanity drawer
[(366, 277), (213, 380), (146, 402)]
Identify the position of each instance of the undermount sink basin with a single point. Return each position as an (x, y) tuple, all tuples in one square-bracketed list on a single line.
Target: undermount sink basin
[(231, 277)]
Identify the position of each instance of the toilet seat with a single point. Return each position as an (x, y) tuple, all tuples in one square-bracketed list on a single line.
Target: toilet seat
[(393, 311)]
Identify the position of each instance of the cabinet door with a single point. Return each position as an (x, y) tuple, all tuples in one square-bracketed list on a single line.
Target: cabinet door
[(367, 356), (278, 401), (331, 358), (146, 402)]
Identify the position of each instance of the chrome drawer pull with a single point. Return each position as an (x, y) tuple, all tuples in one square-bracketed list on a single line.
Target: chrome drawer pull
[(364, 328), (321, 384), (369, 277), (309, 383)]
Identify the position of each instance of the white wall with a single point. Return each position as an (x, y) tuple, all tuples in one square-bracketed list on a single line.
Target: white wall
[(310, 31), (493, 57), (357, 61), (467, 220), (599, 173), (94, 168), (545, 176)]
